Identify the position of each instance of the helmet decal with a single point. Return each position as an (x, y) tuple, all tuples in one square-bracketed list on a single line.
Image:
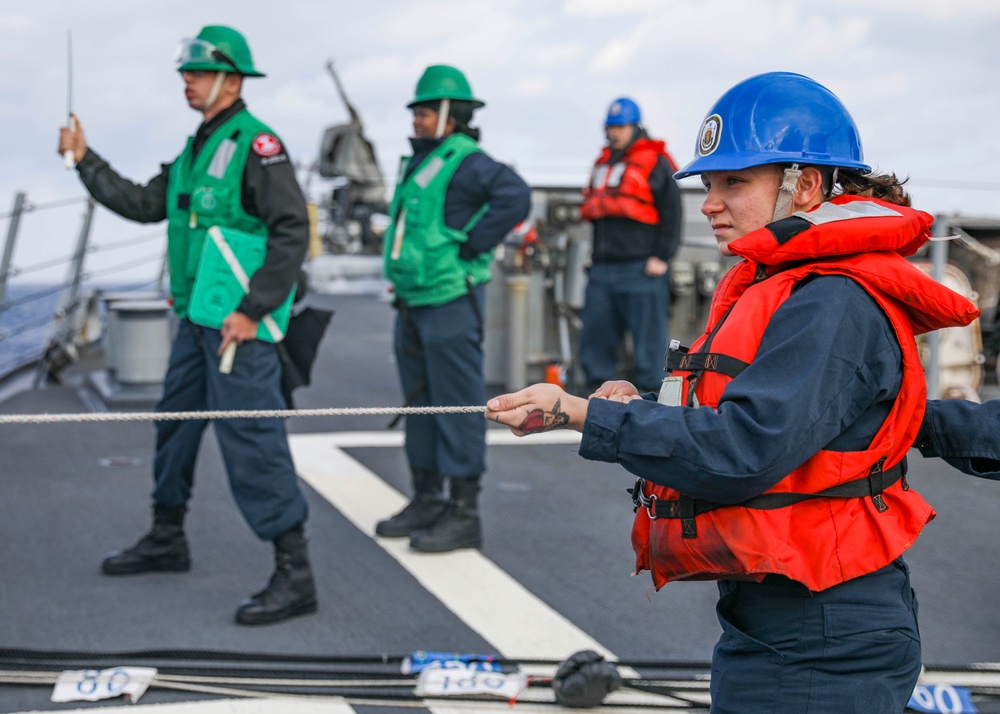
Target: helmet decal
[(711, 131)]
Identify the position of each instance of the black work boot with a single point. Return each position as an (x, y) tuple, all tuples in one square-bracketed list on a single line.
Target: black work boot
[(426, 507), (290, 591), (458, 527), (163, 548)]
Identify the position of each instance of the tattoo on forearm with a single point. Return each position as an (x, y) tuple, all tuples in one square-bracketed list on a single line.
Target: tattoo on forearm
[(539, 420)]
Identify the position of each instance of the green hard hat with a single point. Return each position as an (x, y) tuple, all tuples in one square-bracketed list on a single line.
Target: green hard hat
[(217, 48), (440, 81)]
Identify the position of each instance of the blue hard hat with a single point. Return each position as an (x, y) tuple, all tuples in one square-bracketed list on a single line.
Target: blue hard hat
[(776, 118), (623, 111)]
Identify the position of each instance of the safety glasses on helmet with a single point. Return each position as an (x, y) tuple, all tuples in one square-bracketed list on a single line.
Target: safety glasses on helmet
[(195, 51)]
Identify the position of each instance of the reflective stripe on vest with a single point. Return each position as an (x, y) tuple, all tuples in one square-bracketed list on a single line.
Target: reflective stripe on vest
[(622, 189)]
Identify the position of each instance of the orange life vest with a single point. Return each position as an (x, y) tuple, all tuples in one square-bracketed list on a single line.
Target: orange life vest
[(818, 541), (621, 189)]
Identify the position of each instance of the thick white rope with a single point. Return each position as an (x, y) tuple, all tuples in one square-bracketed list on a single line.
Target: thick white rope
[(249, 414)]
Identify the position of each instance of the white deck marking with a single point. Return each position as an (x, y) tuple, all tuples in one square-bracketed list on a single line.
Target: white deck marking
[(268, 704), (488, 600), (517, 623), (485, 597)]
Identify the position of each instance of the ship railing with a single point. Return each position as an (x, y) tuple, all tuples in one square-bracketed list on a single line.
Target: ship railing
[(50, 306)]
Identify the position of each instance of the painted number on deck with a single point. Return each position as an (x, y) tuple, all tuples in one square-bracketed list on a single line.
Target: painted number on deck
[(941, 699)]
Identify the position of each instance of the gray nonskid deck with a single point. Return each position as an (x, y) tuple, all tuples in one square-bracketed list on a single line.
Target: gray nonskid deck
[(556, 524)]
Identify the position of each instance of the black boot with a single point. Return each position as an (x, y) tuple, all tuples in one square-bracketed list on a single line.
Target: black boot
[(426, 507), (163, 548), (458, 527), (290, 591)]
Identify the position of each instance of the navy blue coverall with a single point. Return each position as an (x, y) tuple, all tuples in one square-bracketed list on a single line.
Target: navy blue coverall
[(258, 461), (620, 295), (783, 648), (439, 349)]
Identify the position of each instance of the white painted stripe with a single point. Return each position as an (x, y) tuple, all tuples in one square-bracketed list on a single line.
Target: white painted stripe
[(487, 599), (494, 437), (624, 701), (263, 705)]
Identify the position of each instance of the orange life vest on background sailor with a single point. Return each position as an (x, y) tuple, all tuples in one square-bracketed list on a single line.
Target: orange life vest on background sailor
[(619, 186), (634, 208)]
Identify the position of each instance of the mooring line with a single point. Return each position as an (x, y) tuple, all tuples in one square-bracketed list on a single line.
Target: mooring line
[(246, 414)]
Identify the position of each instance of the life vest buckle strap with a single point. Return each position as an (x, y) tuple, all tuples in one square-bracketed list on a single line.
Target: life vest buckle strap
[(686, 509), (673, 356), (639, 498), (704, 362), (877, 483)]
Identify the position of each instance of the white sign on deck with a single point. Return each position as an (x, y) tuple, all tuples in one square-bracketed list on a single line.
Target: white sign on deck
[(91, 685), (457, 679)]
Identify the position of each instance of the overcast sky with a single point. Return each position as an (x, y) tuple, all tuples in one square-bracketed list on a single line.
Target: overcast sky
[(919, 76)]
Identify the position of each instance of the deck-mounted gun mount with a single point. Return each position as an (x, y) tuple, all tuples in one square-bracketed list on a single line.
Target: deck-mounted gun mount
[(357, 205)]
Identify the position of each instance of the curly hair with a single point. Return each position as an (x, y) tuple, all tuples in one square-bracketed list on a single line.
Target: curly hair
[(885, 187)]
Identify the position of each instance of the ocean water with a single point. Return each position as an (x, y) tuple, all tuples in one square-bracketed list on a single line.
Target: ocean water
[(28, 318), (26, 323)]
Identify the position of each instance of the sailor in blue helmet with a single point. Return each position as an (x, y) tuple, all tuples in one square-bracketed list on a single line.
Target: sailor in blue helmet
[(234, 173), (773, 459), (634, 207), (453, 204)]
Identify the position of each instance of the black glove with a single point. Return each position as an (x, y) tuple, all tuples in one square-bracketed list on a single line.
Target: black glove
[(584, 680)]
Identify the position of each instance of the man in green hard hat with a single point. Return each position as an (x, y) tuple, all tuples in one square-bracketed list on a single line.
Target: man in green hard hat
[(234, 173), (452, 206)]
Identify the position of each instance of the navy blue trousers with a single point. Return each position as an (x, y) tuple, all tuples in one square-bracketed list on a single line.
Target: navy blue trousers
[(258, 461), (852, 648), (439, 353), (620, 297)]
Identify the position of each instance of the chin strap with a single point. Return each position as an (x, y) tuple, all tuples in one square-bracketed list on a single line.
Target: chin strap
[(782, 208), (833, 181), (443, 110), (216, 88)]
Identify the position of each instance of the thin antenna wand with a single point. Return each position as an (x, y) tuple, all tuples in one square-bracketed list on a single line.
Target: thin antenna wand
[(68, 158)]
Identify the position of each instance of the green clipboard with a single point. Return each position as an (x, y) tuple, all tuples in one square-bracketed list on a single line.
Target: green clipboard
[(228, 260)]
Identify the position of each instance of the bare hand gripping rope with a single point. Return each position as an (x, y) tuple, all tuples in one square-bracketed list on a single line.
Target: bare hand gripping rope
[(247, 414)]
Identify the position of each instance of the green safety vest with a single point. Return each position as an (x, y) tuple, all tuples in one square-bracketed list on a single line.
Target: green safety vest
[(204, 193), (421, 252)]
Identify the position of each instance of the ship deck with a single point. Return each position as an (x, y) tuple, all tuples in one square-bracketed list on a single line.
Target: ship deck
[(553, 576)]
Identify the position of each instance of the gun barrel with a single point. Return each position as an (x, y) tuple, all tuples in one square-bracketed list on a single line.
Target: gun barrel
[(355, 117)]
